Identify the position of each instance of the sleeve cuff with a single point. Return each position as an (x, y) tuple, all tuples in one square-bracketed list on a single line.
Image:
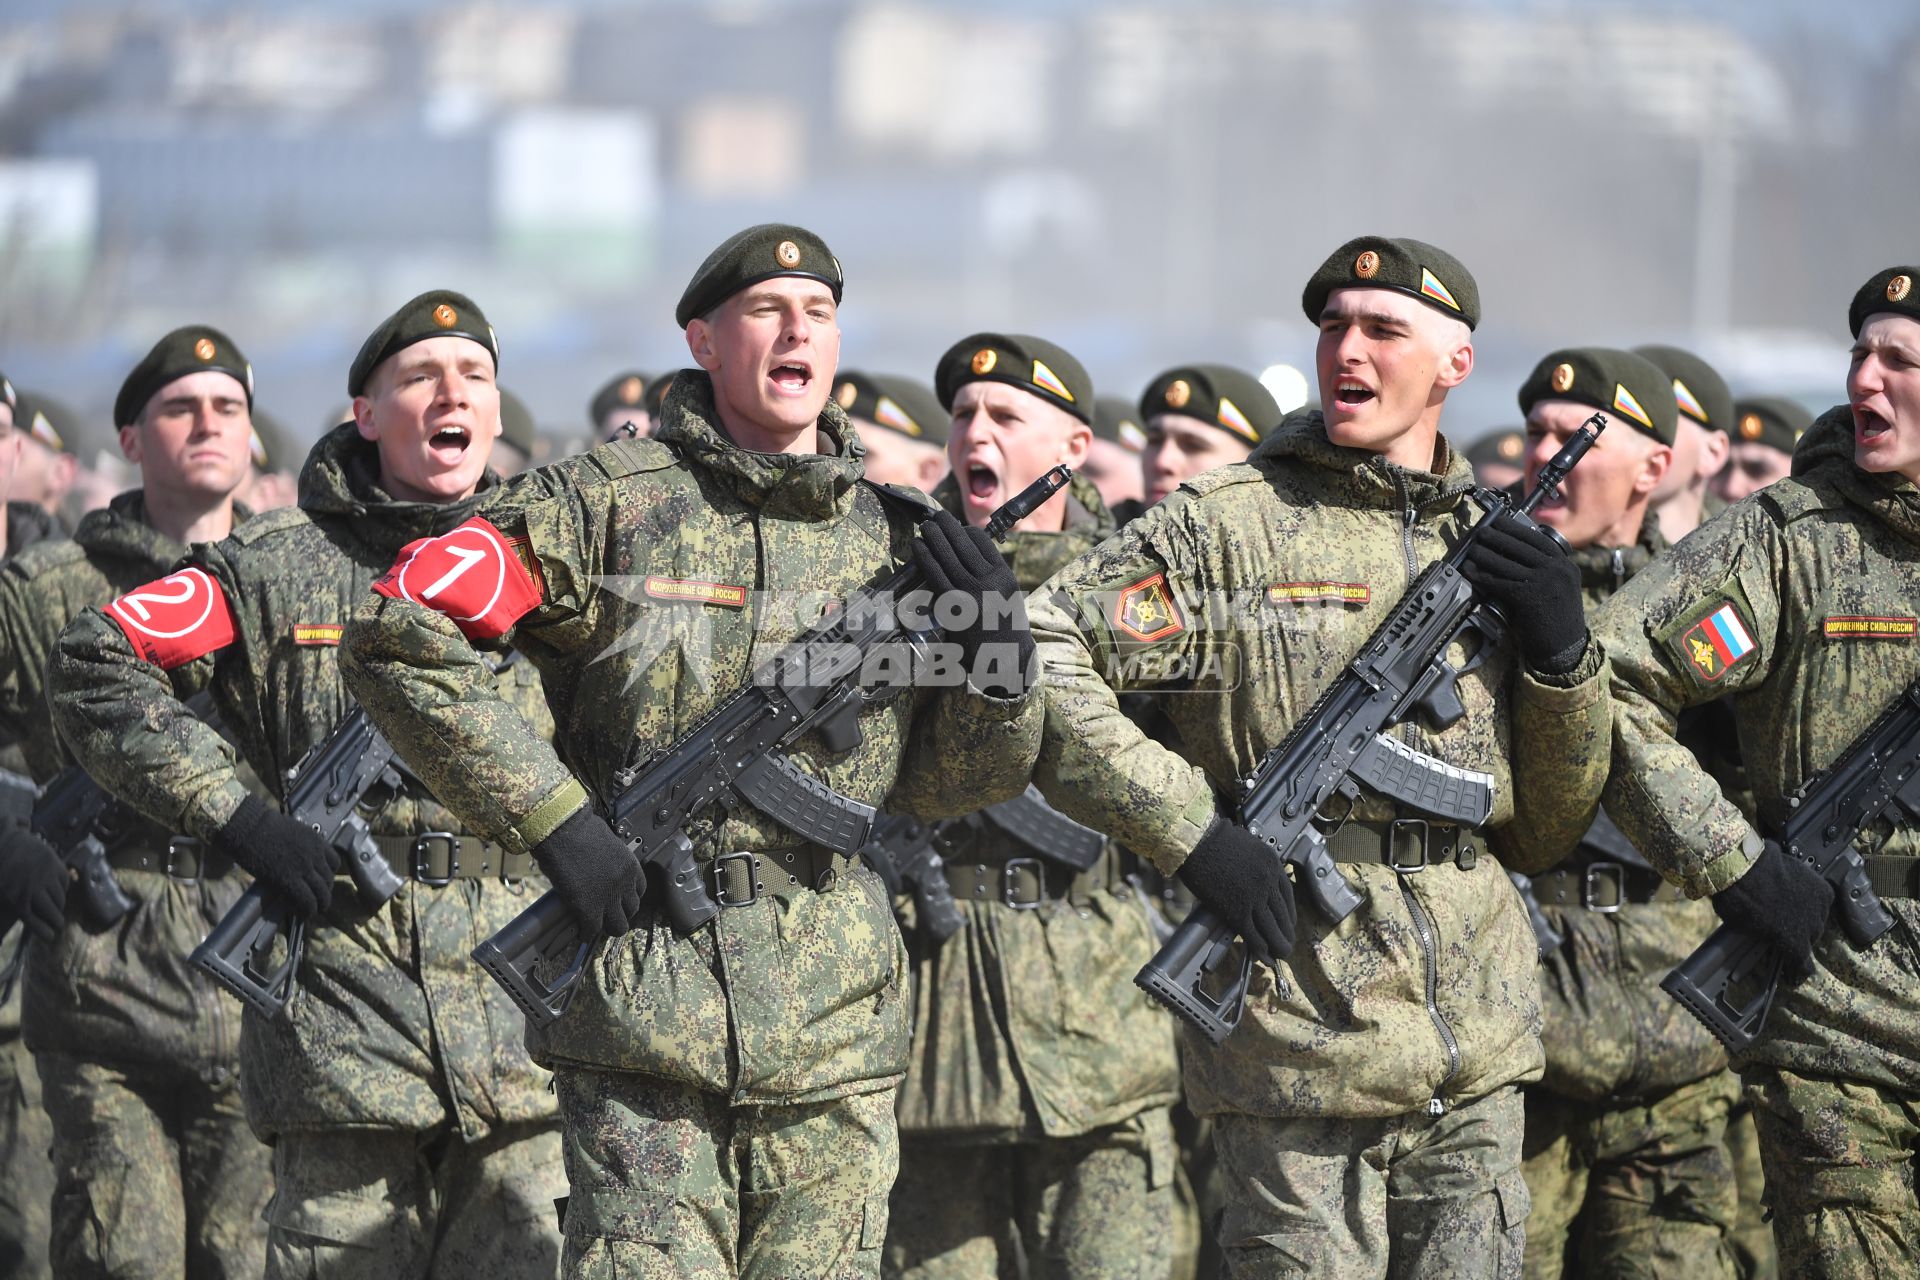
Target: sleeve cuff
[(1177, 843), (1572, 691), (215, 809), (546, 817), (1732, 864)]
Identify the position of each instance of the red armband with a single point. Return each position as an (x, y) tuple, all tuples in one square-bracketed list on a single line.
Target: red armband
[(470, 574), (175, 619)]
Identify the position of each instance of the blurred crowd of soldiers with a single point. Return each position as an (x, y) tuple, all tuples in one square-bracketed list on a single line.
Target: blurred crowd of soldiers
[(1475, 1075)]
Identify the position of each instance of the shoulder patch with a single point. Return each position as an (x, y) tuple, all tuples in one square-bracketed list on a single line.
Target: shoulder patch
[(1714, 636), (175, 619), (473, 574), (1147, 610), (1860, 627)]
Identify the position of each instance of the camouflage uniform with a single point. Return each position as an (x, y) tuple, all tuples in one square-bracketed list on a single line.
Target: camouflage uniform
[(1368, 1100), (1626, 1160), (726, 1097), (1835, 1079), (26, 1135), (411, 1133), (156, 1172), (1035, 1103)]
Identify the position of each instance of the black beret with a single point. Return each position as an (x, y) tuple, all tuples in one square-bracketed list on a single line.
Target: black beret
[(1412, 267), (759, 253), (1699, 391), (46, 420), (1029, 363), (1117, 421), (271, 447), (626, 391), (1503, 448), (8, 394), (887, 400), (516, 423), (1890, 290), (437, 313), (1217, 395), (1773, 421), (657, 393), (1620, 383), (189, 349)]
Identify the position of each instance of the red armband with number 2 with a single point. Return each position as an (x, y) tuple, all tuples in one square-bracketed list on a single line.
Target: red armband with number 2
[(471, 574), (175, 619)]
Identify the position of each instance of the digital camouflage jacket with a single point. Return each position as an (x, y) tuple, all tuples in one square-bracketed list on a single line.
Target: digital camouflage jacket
[(666, 571), (391, 1026), (1797, 606), (1234, 603)]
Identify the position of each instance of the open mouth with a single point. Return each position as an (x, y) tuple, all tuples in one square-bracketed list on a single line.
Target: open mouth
[(1351, 393), (449, 444), (1868, 425), (791, 379), (983, 484)]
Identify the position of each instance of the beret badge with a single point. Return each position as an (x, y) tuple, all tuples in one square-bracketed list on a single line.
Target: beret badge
[(1563, 377), (787, 254), (1178, 393), (443, 315), (984, 359), (1367, 265), (1751, 427), (631, 390), (1899, 287), (1510, 447), (204, 348), (846, 395)]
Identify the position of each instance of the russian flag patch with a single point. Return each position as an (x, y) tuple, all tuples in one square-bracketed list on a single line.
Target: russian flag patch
[(1718, 643)]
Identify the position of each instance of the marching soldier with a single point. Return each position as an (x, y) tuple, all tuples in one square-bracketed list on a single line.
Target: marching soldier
[(727, 1097), (412, 1136), (1499, 459), (1113, 459), (1700, 440), (902, 426), (1797, 606), (1034, 1115), (1199, 417), (618, 410), (1765, 432), (1367, 1108), (157, 1173)]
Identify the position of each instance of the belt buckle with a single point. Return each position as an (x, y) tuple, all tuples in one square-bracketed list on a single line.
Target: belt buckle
[(176, 845), (1618, 871), (1007, 870), (423, 846), (720, 880), (1393, 845)]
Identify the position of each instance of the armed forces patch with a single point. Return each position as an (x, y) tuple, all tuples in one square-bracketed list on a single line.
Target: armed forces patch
[(1714, 637), (1147, 610), (1863, 627)]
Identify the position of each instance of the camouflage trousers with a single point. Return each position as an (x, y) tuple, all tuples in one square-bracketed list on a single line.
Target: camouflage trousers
[(1437, 1197), (1099, 1205), (1640, 1190), (156, 1173), (26, 1168), (386, 1204), (1753, 1252), (667, 1181), (1839, 1158)]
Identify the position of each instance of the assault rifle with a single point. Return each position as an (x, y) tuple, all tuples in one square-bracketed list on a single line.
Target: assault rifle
[(736, 755), (1343, 743), (1029, 820), (902, 853), (72, 815), (1730, 980), (324, 790)]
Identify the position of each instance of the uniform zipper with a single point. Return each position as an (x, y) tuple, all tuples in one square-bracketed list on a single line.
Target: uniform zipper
[(1422, 924)]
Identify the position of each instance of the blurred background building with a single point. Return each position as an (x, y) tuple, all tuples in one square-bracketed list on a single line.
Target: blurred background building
[(1143, 183)]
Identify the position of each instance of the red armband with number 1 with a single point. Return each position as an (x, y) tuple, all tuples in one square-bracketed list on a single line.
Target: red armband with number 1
[(471, 574), (175, 619)]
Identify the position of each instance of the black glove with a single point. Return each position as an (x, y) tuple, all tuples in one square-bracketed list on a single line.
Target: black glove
[(287, 857), (1783, 900), (1536, 587), (33, 883), (594, 873), (961, 559), (1238, 877)]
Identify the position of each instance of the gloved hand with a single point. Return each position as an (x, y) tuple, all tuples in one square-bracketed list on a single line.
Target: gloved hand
[(33, 883), (286, 856), (1783, 900), (961, 559), (1536, 587), (1239, 878), (594, 873)]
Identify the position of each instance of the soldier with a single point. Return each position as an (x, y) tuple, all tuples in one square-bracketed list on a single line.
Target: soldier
[(618, 410), (157, 1174), (1113, 459), (26, 1173), (1033, 1117), (47, 468), (1625, 1152), (902, 426), (1201, 416), (1499, 459), (1368, 1114), (519, 437), (412, 1135), (1767, 429), (1700, 442), (271, 483), (727, 1097), (1797, 606)]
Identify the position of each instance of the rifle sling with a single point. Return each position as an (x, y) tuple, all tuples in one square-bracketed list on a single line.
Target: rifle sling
[(1893, 876), (1406, 844)]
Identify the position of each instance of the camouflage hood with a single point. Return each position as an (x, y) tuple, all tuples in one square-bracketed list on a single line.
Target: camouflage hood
[(1035, 557), (27, 523), (795, 486), (341, 478), (1604, 570), (120, 530), (1824, 458), (1355, 477)]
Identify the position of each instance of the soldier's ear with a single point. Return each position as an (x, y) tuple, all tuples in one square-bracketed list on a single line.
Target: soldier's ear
[(1653, 470), (700, 344)]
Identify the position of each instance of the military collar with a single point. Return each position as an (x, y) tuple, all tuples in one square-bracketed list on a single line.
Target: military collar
[(1362, 478), (120, 529), (341, 478), (1607, 569), (795, 486)]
